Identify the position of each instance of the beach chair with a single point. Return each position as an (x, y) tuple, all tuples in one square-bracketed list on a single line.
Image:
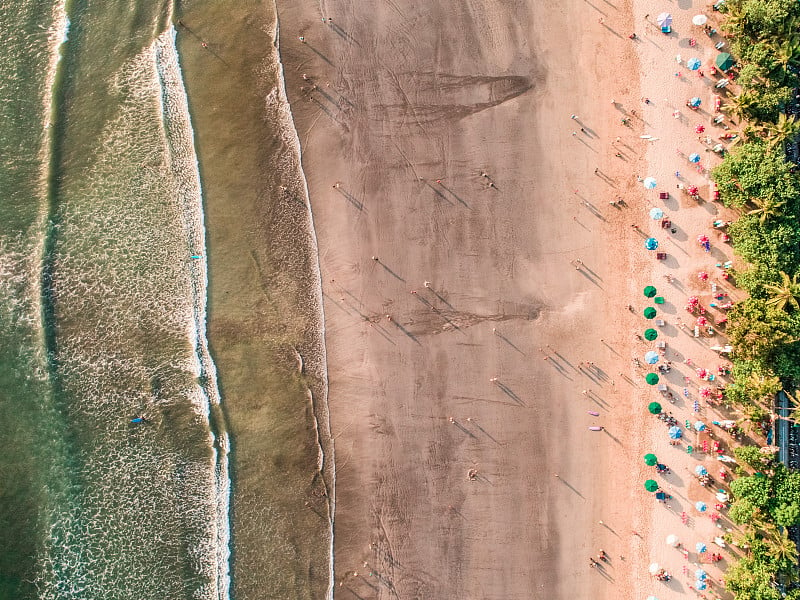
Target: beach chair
[(663, 195), (666, 29), (661, 256)]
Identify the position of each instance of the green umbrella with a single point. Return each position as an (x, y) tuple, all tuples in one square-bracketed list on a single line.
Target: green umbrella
[(659, 300), (650, 291), (650, 312), (651, 378), (650, 334), (651, 485), (654, 407), (650, 460), (724, 61)]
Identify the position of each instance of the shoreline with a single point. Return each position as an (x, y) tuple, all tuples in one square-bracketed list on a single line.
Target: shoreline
[(259, 317)]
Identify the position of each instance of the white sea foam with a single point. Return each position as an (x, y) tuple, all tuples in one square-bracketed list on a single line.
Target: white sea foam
[(186, 169)]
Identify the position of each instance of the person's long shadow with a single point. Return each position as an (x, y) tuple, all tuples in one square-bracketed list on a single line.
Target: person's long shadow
[(571, 487), (484, 432), (510, 343), (454, 195), (389, 270), (589, 277), (616, 439), (318, 53), (510, 393), (351, 199)]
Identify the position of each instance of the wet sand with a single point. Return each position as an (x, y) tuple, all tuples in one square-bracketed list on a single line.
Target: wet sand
[(439, 148)]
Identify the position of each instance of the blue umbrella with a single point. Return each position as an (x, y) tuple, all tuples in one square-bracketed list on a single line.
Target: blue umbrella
[(656, 213), (700, 585), (651, 243), (695, 102), (700, 470), (649, 183), (700, 547), (699, 426), (674, 432), (701, 506), (700, 575), (693, 64), (651, 357), (695, 157)]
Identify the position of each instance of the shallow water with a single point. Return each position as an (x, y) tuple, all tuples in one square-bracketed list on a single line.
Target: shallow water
[(102, 314)]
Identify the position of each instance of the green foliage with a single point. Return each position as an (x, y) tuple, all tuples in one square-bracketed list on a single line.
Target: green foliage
[(755, 489), (775, 244), (751, 579), (787, 514), (743, 512), (757, 330), (749, 455), (753, 172)]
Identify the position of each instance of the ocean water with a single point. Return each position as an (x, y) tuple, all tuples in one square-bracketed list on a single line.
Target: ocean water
[(103, 279)]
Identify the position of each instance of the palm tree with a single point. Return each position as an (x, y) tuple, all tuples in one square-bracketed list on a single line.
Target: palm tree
[(741, 105), (782, 547), (785, 296), (766, 208), (785, 129)]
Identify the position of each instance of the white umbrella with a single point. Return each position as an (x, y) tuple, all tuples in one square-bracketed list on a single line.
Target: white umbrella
[(719, 542), (654, 568), (672, 540), (699, 20), (649, 183), (656, 213), (664, 19), (652, 598), (722, 497)]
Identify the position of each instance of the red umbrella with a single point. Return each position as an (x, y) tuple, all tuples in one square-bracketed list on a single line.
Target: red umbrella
[(702, 276), (702, 238), (693, 191), (700, 129), (705, 392), (701, 373), (693, 301), (702, 321)]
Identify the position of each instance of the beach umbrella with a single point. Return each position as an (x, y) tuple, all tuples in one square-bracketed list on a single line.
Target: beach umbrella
[(699, 20), (700, 585), (650, 312), (702, 321), (650, 460), (664, 19), (701, 506), (699, 426), (724, 61), (693, 64), (651, 243), (651, 357), (649, 183), (650, 334), (650, 291), (700, 547), (656, 213), (722, 497), (695, 102), (651, 378), (652, 598), (654, 408), (694, 157), (651, 485), (675, 432), (700, 129), (700, 470), (672, 540), (700, 575), (654, 568)]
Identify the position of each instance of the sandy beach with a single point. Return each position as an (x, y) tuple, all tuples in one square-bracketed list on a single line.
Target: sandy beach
[(461, 163)]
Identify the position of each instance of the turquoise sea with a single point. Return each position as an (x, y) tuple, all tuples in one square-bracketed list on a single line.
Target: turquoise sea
[(114, 475)]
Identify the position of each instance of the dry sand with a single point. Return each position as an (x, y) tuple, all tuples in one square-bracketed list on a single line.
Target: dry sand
[(484, 369)]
